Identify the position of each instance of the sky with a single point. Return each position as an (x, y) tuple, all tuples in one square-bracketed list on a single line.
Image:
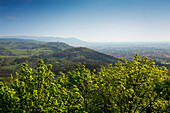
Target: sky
[(88, 20)]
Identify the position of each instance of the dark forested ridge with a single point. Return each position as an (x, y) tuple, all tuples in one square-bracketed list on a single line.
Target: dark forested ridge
[(81, 53), (14, 52), (54, 46), (8, 43)]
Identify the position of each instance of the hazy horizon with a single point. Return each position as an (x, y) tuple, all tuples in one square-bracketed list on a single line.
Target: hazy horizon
[(88, 20)]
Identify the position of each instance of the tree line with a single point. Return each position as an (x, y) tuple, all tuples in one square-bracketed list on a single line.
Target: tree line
[(136, 86)]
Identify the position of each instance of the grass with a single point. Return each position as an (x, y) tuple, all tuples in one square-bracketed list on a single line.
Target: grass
[(11, 66), (3, 78), (20, 52), (25, 53)]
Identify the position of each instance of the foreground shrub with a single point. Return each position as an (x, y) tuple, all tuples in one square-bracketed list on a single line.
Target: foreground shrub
[(130, 86), (37, 92)]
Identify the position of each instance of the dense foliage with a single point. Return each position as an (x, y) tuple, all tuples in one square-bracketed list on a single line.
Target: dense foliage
[(130, 86)]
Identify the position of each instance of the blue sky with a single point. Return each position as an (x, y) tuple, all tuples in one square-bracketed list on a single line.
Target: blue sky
[(88, 20)]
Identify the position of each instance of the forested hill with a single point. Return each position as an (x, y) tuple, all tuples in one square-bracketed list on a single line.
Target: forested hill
[(8, 43), (27, 48), (31, 44), (63, 57), (54, 46), (68, 59), (84, 53)]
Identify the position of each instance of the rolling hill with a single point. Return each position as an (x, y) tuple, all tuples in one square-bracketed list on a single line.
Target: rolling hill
[(26, 48), (63, 57), (84, 53)]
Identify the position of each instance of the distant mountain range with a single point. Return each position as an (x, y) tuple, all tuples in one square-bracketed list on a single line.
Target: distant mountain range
[(79, 43), (71, 40)]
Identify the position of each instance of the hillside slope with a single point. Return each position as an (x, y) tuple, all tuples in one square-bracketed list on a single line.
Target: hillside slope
[(26, 48), (54, 46), (84, 53), (8, 43), (68, 59), (14, 52)]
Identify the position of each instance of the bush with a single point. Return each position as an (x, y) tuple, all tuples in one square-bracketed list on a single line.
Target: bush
[(130, 86)]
